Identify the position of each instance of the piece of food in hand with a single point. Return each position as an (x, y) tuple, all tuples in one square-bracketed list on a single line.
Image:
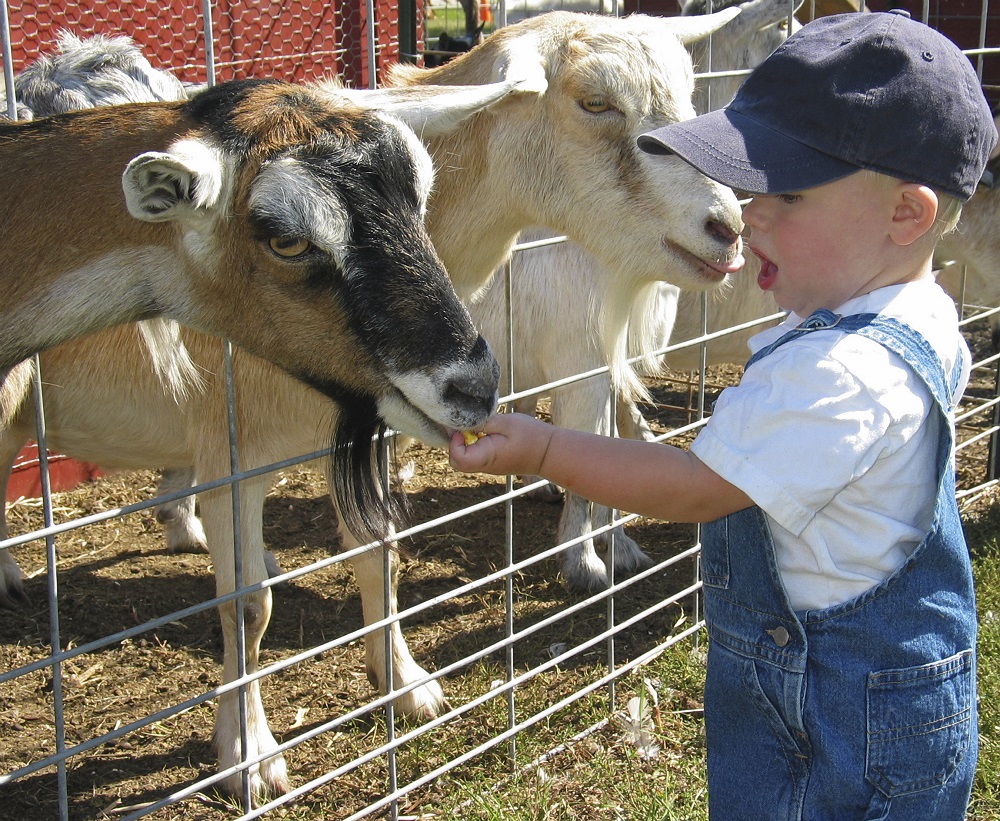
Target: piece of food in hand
[(472, 436)]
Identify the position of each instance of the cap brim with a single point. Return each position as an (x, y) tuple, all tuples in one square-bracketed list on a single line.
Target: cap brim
[(740, 152)]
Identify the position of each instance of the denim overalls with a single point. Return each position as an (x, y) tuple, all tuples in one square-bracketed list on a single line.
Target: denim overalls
[(866, 710)]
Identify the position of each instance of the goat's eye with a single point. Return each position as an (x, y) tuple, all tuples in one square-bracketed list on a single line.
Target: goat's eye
[(289, 247), (595, 105)]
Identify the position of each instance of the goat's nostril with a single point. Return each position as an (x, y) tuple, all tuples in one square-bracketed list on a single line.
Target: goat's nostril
[(722, 232), (472, 391)]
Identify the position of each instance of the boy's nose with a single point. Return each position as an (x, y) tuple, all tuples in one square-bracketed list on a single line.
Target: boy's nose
[(753, 216)]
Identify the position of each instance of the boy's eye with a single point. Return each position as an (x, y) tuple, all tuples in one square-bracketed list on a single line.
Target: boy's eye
[(789, 198)]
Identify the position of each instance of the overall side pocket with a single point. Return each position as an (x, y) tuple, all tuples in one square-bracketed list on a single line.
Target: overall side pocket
[(921, 723), (715, 553)]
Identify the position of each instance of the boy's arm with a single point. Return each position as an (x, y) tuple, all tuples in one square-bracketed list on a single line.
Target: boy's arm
[(648, 478)]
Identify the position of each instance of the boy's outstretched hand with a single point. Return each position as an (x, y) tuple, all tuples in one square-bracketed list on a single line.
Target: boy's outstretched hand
[(514, 443), (650, 478)]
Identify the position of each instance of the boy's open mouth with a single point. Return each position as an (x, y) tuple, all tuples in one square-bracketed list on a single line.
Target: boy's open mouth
[(768, 271)]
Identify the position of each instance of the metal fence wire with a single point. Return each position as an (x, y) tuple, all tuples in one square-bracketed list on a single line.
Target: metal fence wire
[(110, 670)]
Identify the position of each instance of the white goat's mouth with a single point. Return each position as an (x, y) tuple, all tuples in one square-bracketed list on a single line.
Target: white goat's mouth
[(713, 270)]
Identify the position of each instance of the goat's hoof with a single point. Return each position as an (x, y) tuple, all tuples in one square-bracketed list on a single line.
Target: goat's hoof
[(629, 557), (423, 703), (585, 574), (267, 779)]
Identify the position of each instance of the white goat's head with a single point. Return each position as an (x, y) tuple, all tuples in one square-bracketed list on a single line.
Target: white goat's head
[(561, 151), (747, 41)]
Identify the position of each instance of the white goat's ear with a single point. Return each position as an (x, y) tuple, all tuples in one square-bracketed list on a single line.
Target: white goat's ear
[(758, 14), (520, 62), (166, 186), (431, 111), (698, 26)]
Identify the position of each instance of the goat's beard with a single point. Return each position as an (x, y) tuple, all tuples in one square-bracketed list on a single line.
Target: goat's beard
[(359, 461)]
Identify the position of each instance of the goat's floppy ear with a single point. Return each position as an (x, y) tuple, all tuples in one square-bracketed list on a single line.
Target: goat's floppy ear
[(431, 111), (165, 186), (520, 62), (698, 26)]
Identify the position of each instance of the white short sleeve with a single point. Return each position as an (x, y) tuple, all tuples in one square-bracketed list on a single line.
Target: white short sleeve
[(809, 419)]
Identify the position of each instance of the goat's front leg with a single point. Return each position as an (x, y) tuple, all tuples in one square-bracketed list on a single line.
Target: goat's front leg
[(270, 775), (423, 702)]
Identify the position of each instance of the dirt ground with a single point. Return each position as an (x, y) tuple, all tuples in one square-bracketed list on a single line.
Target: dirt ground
[(117, 574)]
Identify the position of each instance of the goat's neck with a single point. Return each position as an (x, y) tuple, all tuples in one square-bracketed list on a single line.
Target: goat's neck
[(471, 219), (113, 289), (73, 259)]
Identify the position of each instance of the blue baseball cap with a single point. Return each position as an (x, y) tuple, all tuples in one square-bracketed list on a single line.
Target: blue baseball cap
[(877, 91)]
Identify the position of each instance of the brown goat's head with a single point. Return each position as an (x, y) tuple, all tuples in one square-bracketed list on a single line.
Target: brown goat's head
[(313, 238)]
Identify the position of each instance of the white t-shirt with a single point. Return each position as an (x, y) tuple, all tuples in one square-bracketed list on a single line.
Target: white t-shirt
[(830, 436)]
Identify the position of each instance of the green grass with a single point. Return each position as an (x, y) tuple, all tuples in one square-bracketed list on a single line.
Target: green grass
[(450, 18)]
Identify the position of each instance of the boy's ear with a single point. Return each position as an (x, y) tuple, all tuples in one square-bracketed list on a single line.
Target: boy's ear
[(915, 210)]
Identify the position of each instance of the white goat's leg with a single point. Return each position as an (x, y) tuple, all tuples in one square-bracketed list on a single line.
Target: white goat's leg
[(423, 702), (182, 526), (629, 557), (12, 595), (270, 775), (183, 529), (586, 406), (581, 566), (631, 423), (407, 470)]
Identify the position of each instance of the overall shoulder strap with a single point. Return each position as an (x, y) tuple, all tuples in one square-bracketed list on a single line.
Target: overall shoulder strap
[(897, 336)]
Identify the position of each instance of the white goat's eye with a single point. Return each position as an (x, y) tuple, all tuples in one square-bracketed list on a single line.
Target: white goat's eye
[(289, 246), (595, 105)]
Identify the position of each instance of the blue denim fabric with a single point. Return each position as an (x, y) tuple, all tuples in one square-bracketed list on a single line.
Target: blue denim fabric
[(866, 710)]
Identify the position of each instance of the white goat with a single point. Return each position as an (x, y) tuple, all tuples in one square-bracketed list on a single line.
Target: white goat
[(562, 327), (562, 155), (87, 73)]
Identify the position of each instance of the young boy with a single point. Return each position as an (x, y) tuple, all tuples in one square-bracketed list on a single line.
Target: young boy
[(838, 591)]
